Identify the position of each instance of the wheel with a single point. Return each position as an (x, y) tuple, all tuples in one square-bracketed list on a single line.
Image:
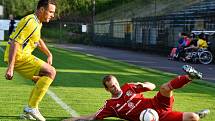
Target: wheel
[(205, 57)]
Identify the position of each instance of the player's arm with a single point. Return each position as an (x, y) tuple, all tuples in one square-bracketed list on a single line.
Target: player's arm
[(42, 46), (82, 118), (105, 111), (11, 60), (145, 86)]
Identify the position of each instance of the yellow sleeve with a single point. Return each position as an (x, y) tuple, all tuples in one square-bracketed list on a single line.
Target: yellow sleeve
[(24, 30)]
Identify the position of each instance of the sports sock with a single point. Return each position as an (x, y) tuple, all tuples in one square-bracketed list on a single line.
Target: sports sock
[(39, 91), (34, 79), (32, 92), (179, 82)]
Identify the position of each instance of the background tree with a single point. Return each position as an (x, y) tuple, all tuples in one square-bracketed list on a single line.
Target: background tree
[(65, 8)]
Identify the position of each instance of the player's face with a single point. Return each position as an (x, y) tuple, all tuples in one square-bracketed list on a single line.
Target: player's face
[(48, 13), (113, 86)]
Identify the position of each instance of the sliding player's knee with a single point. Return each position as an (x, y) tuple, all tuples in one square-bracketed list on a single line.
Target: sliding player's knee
[(165, 88), (191, 117), (194, 117)]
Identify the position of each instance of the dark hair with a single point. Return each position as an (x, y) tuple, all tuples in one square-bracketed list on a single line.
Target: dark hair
[(45, 3), (107, 79), (183, 34), (202, 36)]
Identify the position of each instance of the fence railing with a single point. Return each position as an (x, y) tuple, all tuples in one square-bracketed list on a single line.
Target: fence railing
[(158, 33)]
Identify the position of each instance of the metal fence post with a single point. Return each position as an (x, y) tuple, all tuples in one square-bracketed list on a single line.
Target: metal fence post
[(60, 32), (93, 20)]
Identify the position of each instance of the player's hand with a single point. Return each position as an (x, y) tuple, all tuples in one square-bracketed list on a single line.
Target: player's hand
[(138, 83), (77, 119), (67, 120), (74, 119), (9, 74), (49, 60)]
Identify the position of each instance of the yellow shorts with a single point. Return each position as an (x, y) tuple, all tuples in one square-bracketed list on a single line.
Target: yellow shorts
[(29, 66)]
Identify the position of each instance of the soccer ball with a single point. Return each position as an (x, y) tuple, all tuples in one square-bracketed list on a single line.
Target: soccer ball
[(149, 115)]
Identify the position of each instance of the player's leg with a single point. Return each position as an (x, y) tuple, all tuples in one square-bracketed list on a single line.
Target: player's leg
[(29, 67), (47, 70), (167, 88), (190, 116), (179, 116), (192, 72), (165, 97), (183, 116), (47, 74), (43, 73), (43, 81), (36, 78), (203, 113), (180, 81)]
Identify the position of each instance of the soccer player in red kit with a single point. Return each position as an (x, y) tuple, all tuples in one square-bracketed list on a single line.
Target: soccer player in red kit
[(127, 102)]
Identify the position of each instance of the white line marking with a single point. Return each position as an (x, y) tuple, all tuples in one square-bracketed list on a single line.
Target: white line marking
[(62, 104), (58, 100)]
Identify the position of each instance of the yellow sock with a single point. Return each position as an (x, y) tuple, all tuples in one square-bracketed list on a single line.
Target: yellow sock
[(39, 91), (34, 79), (32, 92)]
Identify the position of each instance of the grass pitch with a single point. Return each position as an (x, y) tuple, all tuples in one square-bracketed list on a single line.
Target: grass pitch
[(78, 84)]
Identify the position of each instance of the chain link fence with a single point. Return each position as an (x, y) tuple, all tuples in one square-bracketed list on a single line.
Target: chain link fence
[(66, 32), (158, 33), (155, 34)]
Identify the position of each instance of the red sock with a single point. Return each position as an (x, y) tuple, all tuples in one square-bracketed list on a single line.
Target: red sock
[(178, 82)]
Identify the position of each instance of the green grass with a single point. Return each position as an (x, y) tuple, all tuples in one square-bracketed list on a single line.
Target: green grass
[(78, 84)]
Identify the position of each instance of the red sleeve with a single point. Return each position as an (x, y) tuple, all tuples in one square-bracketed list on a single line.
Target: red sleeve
[(105, 111)]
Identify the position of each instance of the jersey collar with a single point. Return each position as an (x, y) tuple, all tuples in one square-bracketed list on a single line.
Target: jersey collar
[(118, 95), (36, 18)]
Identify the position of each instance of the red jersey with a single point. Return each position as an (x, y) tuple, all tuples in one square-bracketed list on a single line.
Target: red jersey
[(128, 105), (131, 103)]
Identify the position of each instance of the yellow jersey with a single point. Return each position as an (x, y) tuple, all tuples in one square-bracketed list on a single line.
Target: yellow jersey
[(202, 43), (27, 34)]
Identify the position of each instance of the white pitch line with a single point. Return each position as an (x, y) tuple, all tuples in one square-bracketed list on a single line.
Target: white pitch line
[(58, 100), (62, 104)]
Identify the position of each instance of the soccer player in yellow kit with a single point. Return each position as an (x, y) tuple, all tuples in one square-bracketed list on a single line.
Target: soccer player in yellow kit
[(18, 55)]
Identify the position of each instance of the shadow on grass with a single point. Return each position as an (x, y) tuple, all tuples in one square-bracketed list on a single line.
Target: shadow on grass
[(79, 70), (116, 119), (2, 63), (8, 118), (94, 80)]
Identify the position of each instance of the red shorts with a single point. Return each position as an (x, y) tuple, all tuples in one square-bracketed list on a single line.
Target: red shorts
[(164, 108)]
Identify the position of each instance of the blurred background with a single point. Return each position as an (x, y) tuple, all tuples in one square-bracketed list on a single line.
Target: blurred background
[(146, 25)]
